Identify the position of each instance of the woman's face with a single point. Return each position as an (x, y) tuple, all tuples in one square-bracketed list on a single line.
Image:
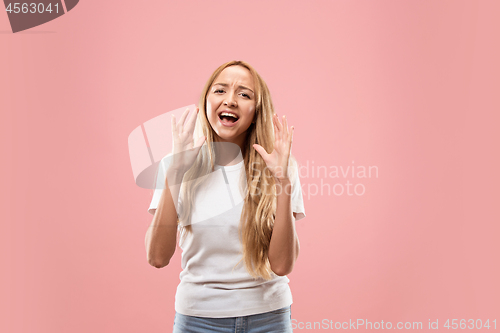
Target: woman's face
[(233, 92)]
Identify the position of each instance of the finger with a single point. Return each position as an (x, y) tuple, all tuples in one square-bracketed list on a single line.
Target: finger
[(199, 144), (192, 121), (281, 128), (200, 141), (276, 134), (182, 120), (262, 152), (275, 129), (278, 131), (285, 126), (291, 140), (278, 123), (174, 127)]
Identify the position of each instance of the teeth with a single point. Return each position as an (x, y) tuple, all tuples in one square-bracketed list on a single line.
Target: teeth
[(228, 114)]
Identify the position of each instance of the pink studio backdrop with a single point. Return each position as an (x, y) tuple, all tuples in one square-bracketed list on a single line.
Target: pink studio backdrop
[(408, 87)]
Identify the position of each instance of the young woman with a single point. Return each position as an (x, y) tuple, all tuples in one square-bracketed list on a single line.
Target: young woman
[(233, 196)]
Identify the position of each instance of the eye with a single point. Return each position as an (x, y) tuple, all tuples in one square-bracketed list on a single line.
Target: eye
[(216, 91), (245, 95)]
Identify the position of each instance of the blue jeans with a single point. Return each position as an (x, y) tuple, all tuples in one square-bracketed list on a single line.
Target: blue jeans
[(277, 321)]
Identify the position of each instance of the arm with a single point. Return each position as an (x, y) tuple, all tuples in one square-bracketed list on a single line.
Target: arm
[(161, 236), (284, 245)]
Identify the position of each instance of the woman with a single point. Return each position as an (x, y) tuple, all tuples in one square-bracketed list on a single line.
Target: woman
[(235, 206)]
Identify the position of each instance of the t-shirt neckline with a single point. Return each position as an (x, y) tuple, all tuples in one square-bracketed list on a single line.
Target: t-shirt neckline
[(230, 167)]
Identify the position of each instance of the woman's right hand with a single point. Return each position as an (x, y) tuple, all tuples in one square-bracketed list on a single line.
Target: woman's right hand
[(184, 150)]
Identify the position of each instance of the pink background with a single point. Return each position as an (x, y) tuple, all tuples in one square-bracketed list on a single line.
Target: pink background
[(408, 86)]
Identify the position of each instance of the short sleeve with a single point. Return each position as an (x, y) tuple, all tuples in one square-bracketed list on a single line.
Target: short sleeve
[(160, 183), (297, 200)]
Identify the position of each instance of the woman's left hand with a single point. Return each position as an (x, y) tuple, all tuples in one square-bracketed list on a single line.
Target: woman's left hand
[(277, 161)]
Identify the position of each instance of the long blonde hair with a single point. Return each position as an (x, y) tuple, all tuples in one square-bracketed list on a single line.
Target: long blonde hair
[(259, 209)]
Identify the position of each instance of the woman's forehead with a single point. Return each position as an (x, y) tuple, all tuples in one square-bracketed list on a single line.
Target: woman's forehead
[(235, 75)]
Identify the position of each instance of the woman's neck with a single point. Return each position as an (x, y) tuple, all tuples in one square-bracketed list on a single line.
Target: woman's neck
[(227, 153)]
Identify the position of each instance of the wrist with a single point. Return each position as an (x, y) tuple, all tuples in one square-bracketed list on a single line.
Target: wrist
[(283, 187), (282, 180), (175, 176)]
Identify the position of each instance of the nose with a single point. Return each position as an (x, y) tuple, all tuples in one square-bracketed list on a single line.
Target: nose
[(230, 101)]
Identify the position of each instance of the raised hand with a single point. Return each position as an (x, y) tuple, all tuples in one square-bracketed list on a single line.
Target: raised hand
[(277, 160), (184, 149)]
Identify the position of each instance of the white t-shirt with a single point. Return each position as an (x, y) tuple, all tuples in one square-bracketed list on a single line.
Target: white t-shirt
[(209, 286)]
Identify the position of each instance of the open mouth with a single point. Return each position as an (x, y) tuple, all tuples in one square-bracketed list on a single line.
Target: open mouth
[(228, 118)]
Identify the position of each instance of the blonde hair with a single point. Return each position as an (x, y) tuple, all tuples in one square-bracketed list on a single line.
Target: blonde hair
[(259, 209)]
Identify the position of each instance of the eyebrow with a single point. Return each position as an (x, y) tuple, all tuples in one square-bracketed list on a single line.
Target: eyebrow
[(226, 85)]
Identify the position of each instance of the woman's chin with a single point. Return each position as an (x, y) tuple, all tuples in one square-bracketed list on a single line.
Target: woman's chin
[(225, 138)]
